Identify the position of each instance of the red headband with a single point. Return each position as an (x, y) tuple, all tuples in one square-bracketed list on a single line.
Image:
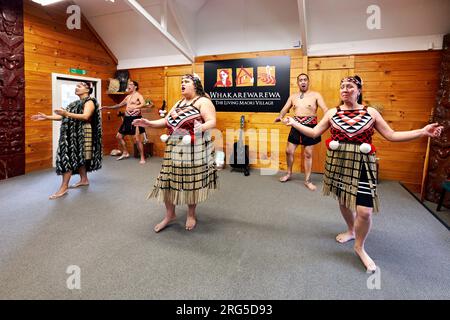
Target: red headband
[(352, 79)]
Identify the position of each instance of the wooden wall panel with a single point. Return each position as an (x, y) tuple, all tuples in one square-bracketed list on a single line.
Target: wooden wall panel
[(405, 85), (51, 47), (324, 81), (254, 120)]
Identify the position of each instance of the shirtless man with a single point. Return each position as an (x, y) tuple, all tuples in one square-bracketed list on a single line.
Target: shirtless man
[(134, 102), (305, 105)]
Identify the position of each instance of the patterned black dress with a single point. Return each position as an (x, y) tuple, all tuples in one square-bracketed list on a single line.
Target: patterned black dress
[(80, 142)]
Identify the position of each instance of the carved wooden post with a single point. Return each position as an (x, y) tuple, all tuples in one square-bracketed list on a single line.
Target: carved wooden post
[(439, 165), (12, 96)]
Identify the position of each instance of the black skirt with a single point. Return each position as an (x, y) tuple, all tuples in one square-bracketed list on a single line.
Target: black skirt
[(127, 128), (298, 138)]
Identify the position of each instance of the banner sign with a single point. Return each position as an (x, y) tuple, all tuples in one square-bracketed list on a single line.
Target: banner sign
[(248, 85)]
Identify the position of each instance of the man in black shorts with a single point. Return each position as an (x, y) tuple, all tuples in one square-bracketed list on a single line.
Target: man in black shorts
[(134, 102), (305, 104)]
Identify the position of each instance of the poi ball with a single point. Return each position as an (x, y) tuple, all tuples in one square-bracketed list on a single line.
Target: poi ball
[(220, 156), (365, 148), (164, 138), (334, 145), (186, 139)]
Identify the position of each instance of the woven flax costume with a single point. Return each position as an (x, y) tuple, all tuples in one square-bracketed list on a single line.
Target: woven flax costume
[(350, 175), (188, 174), (80, 142)]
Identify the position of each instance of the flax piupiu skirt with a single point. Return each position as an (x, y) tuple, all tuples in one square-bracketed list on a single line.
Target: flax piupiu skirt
[(188, 174), (350, 176)]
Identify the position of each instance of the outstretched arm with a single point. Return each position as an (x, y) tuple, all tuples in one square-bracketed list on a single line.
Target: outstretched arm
[(88, 110), (285, 109), (142, 122), (157, 124), (116, 106), (431, 130), (42, 116), (315, 132)]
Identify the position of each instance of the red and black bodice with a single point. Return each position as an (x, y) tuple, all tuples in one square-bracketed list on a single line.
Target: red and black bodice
[(354, 126), (182, 119)]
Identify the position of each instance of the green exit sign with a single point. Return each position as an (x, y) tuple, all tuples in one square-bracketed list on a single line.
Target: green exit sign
[(77, 71)]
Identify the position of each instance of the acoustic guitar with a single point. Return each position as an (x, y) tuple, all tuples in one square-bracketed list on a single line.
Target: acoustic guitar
[(240, 157)]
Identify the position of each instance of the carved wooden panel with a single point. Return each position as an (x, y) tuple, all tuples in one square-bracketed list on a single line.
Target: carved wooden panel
[(12, 99), (439, 165)]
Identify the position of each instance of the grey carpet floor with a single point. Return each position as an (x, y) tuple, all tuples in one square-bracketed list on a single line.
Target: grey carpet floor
[(256, 239), (443, 215)]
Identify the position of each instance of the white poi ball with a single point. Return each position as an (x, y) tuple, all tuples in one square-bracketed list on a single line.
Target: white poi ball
[(164, 138), (220, 156), (365, 148), (186, 139), (334, 145)]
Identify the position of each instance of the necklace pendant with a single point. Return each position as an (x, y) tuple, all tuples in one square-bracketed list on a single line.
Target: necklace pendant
[(302, 95)]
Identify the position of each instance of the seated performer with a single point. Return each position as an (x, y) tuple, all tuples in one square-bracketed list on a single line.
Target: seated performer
[(80, 139), (188, 174), (305, 105), (350, 168)]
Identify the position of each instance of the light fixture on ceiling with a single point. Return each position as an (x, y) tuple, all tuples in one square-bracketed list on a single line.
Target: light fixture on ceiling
[(46, 2)]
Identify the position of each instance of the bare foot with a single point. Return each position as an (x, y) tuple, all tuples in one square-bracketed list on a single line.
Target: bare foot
[(190, 223), (160, 226), (310, 185), (142, 161), (58, 194), (79, 184), (124, 156), (345, 237), (285, 178), (366, 260)]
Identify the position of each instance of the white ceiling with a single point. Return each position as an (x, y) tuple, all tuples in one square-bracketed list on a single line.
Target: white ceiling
[(345, 20), (228, 26)]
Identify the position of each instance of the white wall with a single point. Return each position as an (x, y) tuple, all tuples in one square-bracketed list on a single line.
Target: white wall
[(331, 21), (251, 25), (334, 27)]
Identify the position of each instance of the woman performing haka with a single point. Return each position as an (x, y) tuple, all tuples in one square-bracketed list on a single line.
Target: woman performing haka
[(350, 168), (80, 139), (188, 174)]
